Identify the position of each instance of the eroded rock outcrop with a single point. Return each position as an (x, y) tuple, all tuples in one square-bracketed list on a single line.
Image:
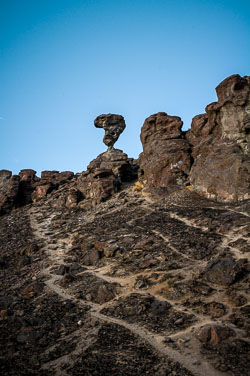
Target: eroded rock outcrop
[(165, 160), (9, 188), (105, 174), (28, 181), (49, 181), (220, 143), (214, 155)]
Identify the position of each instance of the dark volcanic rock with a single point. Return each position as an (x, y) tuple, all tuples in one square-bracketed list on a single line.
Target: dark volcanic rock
[(105, 175), (27, 185), (98, 186), (9, 188), (165, 160), (51, 180), (113, 125), (214, 334), (222, 272), (116, 160), (220, 140)]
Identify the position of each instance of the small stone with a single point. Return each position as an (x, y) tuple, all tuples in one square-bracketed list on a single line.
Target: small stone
[(3, 313), (168, 340), (196, 363), (179, 321), (63, 269)]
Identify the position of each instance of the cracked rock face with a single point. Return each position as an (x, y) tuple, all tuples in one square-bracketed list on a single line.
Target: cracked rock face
[(113, 125), (214, 155), (165, 160), (9, 187), (220, 143)]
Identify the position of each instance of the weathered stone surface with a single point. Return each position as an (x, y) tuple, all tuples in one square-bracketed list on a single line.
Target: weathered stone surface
[(9, 189), (116, 160), (113, 125), (105, 175), (91, 257), (214, 334), (5, 176), (223, 271), (98, 186), (72, 198), (51, 180), (31, 290), (220, 140), (27, 185), (165, 160)]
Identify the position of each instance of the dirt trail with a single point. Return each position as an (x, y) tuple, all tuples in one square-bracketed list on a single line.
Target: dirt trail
[(56, 248)]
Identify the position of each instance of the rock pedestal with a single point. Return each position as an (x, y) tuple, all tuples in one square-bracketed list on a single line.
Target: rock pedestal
[(105, 175)]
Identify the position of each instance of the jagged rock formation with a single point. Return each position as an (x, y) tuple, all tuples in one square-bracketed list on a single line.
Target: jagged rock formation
[(165, 160), (105, 174), (214, 155), (220, 142), (113, 125), (49, 181), (28, 180), (9, 187)]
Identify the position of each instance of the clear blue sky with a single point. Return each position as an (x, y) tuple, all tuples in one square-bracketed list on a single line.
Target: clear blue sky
[(63, 62)]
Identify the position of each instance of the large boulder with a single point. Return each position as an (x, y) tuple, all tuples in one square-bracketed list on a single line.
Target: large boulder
[(165, 160), (214, 334), (220, 143)]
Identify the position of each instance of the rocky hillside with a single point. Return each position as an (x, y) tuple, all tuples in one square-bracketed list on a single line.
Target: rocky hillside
[(133, 267)]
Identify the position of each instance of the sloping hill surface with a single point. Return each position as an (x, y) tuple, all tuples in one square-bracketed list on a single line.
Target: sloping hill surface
[(153, 285)]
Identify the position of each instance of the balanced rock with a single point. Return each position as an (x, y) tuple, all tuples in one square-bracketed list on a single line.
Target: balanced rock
[(113, 125), (220, 142), (165, 160)]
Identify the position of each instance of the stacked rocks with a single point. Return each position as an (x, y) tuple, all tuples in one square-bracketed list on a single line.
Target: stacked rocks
[(109, 170)]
